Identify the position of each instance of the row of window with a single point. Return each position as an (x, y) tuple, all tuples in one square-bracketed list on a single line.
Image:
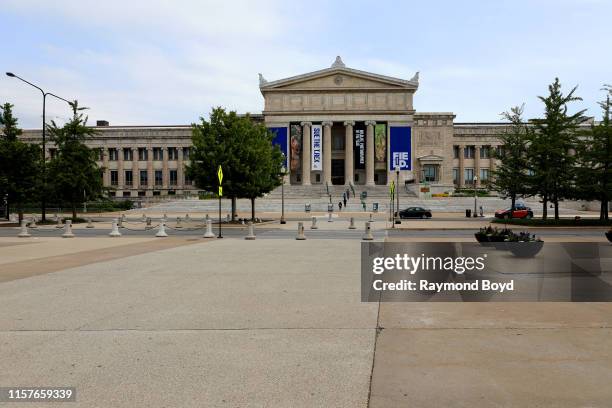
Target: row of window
[(468, 176), (128, 179), (485, 151), (143, 153), (140, 193)]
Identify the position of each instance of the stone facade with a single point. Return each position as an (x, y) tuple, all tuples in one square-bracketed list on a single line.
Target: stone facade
[(146, 161)]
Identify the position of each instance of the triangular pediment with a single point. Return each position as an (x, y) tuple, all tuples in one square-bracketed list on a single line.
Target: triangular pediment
[(338, 78), (431, 158)]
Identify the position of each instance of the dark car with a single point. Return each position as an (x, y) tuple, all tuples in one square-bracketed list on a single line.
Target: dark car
[(520, 211), (415, 212)]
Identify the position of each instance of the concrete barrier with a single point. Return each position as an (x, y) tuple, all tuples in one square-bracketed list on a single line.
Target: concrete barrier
[(161, 232), (120, 222), (368, 232), (187, 218), (251, 234), (89, 223), (59, 223), (68, 230), (179, 223), (352, 223), (114, 229), (33, 222), (209, 232), (329, 217), (300, 235), (148, 221), (24, 230), (314, 223)]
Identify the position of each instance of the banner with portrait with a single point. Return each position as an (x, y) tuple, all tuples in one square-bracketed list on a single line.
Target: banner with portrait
[(295, 145), (380, 147)]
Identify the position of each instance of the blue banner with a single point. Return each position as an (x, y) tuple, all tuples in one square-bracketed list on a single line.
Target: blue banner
[(400, 138), (280, 139)]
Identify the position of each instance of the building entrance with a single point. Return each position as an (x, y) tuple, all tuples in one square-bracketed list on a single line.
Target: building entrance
[(337, 167)]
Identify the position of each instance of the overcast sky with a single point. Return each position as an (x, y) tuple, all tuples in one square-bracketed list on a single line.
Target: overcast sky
[(162, 62)]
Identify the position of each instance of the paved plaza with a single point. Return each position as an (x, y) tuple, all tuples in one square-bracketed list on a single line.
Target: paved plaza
[(183, 321)]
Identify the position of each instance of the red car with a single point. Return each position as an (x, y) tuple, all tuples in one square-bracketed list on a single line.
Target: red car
[(520, 211)]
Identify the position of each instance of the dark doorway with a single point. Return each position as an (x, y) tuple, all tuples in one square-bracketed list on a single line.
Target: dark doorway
[(337, 171)]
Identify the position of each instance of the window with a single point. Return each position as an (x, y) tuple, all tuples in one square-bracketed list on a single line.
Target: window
[(172, 153), (173, 177), (468, 152), (158, 153), (485, 152), (129, 178), (456, 152), (114, 176), (156, 193), (499, 151), (112, 154), (484, 175), (144, 178), (143, 154), (111, 193), (142, 193), (99, 154), (158, 177), (429, 173), (455, 176), (468, 176), (52, 153), (127, 194), (189, 182), (186, 153), (128, 154), (338, 142)]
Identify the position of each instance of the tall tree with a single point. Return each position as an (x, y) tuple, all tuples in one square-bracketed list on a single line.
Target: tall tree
[(552, 164), (251, 164), (74, 175), (509, 177), (595, 160), (19, 163)]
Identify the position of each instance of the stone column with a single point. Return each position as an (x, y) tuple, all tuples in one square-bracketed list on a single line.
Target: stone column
[(180, 182), (150, 173), (306, 153), (135, 169), (370, 152), (120, 178), (461, 166), (105, 178), (327, 152), (348, 152), (477, 165), (165, 174)]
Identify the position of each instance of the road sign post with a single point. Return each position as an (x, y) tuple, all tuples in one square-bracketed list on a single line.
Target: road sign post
[(391, 196), (220, 176)]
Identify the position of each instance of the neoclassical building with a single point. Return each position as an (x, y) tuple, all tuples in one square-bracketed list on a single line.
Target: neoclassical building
[(337, 126)]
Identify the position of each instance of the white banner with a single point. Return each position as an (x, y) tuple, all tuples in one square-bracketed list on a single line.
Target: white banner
[(317, 152)]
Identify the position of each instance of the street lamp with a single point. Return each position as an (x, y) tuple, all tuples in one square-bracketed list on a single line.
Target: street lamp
[(43, 200), (282, 220), (475, 197), (397, 190)]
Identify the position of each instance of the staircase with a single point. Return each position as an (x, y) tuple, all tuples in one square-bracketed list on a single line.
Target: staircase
[(320, 191)]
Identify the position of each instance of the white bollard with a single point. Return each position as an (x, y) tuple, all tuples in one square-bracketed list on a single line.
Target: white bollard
[(164, 218), (33, 222), (89, 223), (187, 218), (227, 218), (148, 223), (179, 223), (206, 218), (251, 234), (120, 223), (352, 223), (123, 218), (329, 217), (300, 235), (13, 217), (242, 221), (209, 232), (144, 217), (24, 230), (56, 217), (368, 232), (314, 223), (115, 229), (371, 219), (68, 230), (161, 233), (59, 223)]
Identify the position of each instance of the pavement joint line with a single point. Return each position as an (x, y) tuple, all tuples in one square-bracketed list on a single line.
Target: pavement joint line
[(378, 331), (178, 330)]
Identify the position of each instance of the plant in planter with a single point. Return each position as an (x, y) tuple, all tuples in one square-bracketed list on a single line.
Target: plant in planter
[(524, 244)]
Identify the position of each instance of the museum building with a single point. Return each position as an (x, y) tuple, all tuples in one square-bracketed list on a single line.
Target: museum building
[(337, 126)]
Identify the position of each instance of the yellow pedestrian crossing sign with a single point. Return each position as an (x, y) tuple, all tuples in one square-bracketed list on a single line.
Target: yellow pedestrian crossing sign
[(392, 188), (220, 174), (220, 191)]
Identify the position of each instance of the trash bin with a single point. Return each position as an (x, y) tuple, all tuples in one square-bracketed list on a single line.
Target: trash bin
[(364, 195), (375, 207), (306, 207), (330, 207), (468, 213)]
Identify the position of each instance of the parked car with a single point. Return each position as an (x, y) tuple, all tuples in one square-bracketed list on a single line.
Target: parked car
[(520, 211), (415, 212)]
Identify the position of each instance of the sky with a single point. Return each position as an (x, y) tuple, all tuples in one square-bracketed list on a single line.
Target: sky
[(164, 62)]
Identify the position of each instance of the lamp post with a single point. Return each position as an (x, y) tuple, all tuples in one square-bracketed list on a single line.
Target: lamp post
[(43, 200), (475, 198), (282, 219), (397, 190)]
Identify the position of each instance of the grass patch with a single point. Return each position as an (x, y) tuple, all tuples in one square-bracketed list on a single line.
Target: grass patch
[(563, 222)]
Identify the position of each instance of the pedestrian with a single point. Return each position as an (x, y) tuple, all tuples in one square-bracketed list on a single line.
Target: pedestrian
[(344, 201), (340, 205)]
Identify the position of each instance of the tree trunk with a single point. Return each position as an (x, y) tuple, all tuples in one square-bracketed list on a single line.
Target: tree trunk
[(512, 206), (556, 209), (544, 208), (74, 211), (20, 213), (8, 210), (253, 209), (233, 209), (603, 210)]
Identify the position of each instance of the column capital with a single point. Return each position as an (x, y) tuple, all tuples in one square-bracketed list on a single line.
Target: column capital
[(306, 123), (349, 123), (327, 123), (370, 122)]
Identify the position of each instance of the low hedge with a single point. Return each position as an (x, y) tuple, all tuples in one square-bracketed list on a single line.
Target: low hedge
[(563, 222)]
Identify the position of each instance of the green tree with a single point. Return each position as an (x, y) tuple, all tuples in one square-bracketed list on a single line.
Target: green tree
[(19, 163), (595, 160), (509, 176), (553, 167), (74, 176), (251, 164)]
